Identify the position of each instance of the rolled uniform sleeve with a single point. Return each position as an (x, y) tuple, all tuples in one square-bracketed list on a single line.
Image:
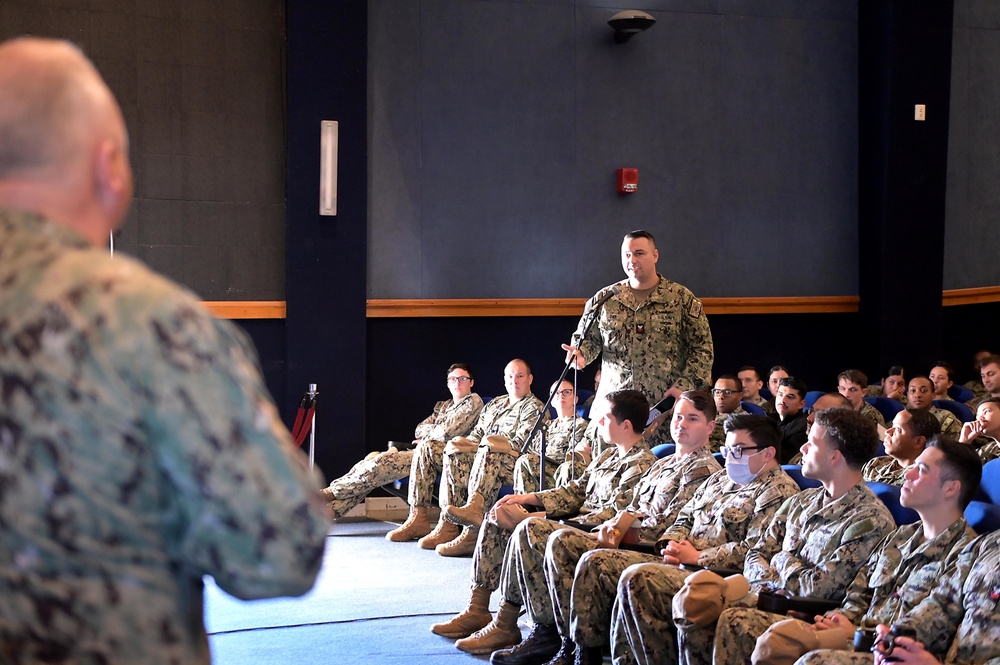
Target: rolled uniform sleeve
[(450, 419)]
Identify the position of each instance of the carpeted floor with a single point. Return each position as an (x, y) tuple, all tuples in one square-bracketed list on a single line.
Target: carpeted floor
[(373, 603)]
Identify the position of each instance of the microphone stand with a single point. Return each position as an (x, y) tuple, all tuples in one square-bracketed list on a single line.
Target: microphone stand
[(592, 314)]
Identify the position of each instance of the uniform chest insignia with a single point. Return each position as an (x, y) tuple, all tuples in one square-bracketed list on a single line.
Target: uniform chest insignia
[(695, 310), (640, 329), (995, 592)]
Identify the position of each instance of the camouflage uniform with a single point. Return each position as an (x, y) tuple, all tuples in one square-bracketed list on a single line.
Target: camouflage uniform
[(897, 576), (884, 469), (949, 423), (573, 468), (959, 620), (140, 451), (977, 388), (722, 521), (561, 435), (500, 416), (600, 494), (448, 420), (661, 493), (763, 403), (813, 547), (870, 412), (987, 447), (607, 483), (651, 345), (718, 436)]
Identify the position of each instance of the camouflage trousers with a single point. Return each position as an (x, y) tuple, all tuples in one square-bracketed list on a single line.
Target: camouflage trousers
[(582, 579), (836, 657), (736, 634), (695, 643), (351, 488), (490, 472), (642, 623), (522, 577), (526, 473), (488, 558), (427, 465)]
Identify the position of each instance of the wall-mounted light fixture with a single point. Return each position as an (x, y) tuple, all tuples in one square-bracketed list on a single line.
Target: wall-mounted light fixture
[(630, 22), (329, 138)]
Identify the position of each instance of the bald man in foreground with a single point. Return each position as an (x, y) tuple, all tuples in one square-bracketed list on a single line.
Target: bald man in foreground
[(139, 449)]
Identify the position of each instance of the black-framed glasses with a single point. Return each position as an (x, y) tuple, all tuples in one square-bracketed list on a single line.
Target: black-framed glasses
[(458, 379), (565, 393), (737, 453), (725, 392)]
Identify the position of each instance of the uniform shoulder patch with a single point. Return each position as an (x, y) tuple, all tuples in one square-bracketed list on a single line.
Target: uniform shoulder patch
[(858, 529), (695, 310)]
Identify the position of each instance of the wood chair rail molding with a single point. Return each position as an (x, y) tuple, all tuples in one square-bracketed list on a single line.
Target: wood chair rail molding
[(455, 307)]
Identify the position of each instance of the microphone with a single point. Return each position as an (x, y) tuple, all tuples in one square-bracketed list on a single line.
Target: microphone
[(612, 292)]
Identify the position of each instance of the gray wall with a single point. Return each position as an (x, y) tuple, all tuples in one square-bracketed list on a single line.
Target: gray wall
[(496, 127), (200, 83), (973, 201)]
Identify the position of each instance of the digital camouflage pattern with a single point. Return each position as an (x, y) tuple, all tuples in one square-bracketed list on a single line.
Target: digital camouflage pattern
[(561, 435), (513, 420), (722, 521), (449, 419), (657, 499), (139, 451), (949, 423), (814, 546), (966, 606), (884, 469), (649, 346), (870, 412), (613, 477), (718, 436), (605, 488), (899, 574)]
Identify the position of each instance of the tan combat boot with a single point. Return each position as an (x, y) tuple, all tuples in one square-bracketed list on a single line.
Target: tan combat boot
[(464, 545), (501, 633), (415, 526), (471, 514), (442, 533), (475, 616)]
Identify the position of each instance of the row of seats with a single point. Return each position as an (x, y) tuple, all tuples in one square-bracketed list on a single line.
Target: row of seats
[(983, 513)]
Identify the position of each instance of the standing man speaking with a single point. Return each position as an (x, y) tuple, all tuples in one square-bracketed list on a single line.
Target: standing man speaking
[(652, 332)]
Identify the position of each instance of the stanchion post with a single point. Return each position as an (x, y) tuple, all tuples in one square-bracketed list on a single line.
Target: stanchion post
[(312, 392)]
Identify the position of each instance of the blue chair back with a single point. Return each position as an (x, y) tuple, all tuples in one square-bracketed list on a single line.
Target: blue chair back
[(983, 517), (812, 396), (961, 411), (960, 393), (989, 486), (720, 458), (664, 449), (750, 407), (795, 471), (887, 406), (889, 494), (581, 397)]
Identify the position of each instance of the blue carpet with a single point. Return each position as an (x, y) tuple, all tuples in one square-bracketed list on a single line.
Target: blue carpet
[(374, 602)]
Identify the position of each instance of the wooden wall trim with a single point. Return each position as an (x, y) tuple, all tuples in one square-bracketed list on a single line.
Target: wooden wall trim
[(574, 306), (970, 296), (400, 308), (248, 309)]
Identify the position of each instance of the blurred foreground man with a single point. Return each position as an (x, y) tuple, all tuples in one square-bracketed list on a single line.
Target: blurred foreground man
[(139, 449)]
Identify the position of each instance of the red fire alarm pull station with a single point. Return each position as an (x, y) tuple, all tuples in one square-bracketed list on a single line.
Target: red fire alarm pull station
[(628, 181)]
